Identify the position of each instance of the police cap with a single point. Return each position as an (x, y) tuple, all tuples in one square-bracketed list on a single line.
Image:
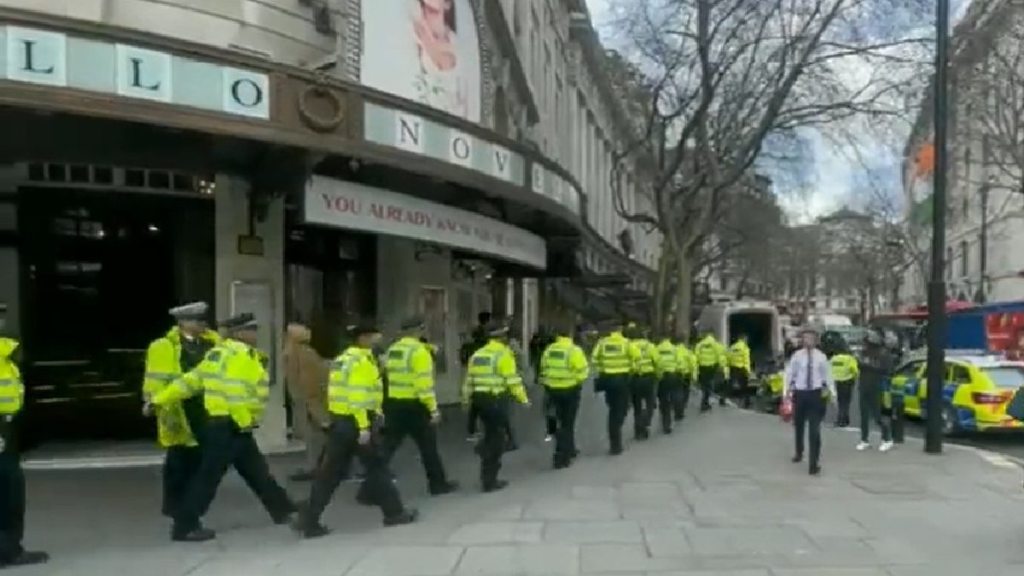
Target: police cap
[(190, 311), (243, 321), (413, 323), (497, 329), (361, 328)]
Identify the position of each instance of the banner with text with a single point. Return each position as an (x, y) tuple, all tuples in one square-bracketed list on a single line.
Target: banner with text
[(342, 204)]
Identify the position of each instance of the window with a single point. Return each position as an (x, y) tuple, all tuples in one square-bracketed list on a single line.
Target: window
[(949, 262), (963, 257), (959, 374), (1010, 377), (965, 208), (910, 369)]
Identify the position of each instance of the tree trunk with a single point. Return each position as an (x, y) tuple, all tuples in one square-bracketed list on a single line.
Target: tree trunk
[(684, 295), (658, 321)]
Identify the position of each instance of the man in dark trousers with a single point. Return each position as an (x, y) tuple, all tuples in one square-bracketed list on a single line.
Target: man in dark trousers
[(233, 382), (613, 366), (410, 405), (492, 380), (808, 379), (876, 366), (179, 426), (355, 395), (12, 479), (562, 370)]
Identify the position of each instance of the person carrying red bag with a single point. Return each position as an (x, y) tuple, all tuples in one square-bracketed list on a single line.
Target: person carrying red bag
[(808, 385)]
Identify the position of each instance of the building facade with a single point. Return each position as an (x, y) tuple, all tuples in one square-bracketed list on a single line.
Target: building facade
[(985, 206), (301, 160)]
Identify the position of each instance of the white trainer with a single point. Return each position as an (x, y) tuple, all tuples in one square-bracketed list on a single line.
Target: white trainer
[(885, 446), (863, 446)]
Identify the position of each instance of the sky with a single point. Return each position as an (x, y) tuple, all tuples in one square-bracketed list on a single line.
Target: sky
[(835, 176)]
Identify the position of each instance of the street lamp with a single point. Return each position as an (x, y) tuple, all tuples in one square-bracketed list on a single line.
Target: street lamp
[(936, 371)]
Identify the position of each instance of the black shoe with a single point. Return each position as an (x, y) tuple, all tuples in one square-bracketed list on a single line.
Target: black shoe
[(511, 446), (313, 531), (798, 458), (301, 476), (666, 430), (721, 402), (197, 535), (285, 518), (407, 517), (814, 470), (495, 486), (446, 488), (615, 451), (26, 558), (560, 464), (575, 453), (706, 408)]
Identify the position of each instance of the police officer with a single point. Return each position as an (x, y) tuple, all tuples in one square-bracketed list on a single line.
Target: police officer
[(687, 378), (233, 383), (410, 408), (12, 479), (354, 398), (711, 368), (179, 424), (492, 379), (613, 366), (563, 368), (670, 380), (642, 355), (739, 370), (845, 370)]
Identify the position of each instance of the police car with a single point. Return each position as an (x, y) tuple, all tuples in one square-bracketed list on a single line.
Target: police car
[(978, 389)]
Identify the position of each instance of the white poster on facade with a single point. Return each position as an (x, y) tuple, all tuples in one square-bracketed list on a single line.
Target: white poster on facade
[(424, 50), (353, 206)]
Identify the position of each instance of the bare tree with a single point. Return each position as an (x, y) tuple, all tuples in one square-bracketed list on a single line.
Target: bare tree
[(719, 77)]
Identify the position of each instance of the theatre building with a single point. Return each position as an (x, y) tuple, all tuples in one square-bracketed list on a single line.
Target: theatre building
[(139, 171)]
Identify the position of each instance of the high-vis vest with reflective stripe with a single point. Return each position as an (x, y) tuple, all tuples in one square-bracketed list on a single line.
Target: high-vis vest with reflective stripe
[(410, 369), (611, 355), (492, 370), (563, 365), (687, 361), (354, 387), (668, 358), (844, 368), (163, 366), (739, 355), (231, 379), (642, 353), (12, 390)]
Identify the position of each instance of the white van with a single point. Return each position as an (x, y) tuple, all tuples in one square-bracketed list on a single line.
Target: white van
[(758, 321)]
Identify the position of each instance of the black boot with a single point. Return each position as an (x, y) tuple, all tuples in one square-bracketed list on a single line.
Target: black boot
[(199, 534), (26, 558), (406, 517)]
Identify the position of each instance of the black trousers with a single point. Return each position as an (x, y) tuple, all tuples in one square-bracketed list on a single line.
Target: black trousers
[(668, 394), (870, 402), (493, 412), (342, 447), (224, 446), (682, 397), (844, 393), (411, 418), (616, 397), (808, 412), (550, 415), (739, 379), (642, 391), (707, 376), (181, 463), (474, 416), (12, 497), (566, 404)]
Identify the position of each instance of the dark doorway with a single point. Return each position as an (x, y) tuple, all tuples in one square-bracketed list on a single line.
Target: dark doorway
[(99, 271)]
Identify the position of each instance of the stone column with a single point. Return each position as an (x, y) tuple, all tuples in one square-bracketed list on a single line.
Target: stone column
[(254, 283)]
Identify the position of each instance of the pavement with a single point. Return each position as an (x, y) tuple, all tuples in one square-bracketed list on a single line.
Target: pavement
[(718, 497)]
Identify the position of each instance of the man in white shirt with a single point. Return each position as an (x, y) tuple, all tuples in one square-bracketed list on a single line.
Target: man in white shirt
[(808, 380)]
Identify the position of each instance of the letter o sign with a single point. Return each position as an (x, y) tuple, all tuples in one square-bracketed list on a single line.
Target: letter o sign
[(246, 93)]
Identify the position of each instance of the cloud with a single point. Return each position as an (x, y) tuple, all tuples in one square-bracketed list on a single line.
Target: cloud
[(834, 173)]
